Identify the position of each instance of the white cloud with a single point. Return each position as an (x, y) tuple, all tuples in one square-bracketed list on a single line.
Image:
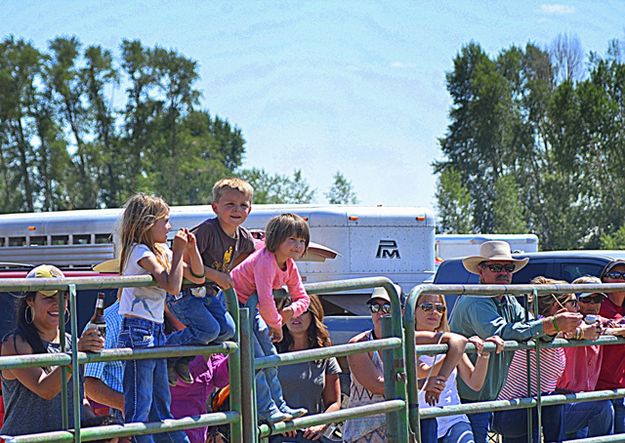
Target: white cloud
[(556, 8), (402, 65)]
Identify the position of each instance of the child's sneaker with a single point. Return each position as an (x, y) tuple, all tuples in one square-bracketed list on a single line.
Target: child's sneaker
[(182, 371), (293, 412), (172, 375), (274, 417)]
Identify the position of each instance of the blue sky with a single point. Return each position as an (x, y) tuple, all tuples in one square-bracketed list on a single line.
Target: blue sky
[(326, 86)]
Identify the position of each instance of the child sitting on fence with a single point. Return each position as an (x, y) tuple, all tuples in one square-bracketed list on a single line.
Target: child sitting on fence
[(144, 251), (271, 267), (223, 243)]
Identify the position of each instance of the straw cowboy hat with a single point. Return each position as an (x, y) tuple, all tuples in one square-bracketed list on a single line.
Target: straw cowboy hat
[(493, 251)]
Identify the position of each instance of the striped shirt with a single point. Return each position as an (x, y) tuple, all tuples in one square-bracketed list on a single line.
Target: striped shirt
[(552, 363), (112, 372)]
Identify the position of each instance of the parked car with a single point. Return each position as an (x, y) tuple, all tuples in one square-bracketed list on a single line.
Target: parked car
[(560, 265)]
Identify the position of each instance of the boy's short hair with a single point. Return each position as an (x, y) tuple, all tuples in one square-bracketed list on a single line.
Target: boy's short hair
[(235, 184), (284, 226)]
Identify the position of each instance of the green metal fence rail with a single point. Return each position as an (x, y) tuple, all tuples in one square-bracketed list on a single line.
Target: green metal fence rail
[(242, 365), (77, 434), (412, 351), (391, 345)]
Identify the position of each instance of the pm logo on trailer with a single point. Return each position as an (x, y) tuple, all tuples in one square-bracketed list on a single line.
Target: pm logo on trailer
[(388, 249)]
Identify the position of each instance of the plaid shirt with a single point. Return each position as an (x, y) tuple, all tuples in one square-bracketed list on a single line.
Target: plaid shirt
[(111, 373)]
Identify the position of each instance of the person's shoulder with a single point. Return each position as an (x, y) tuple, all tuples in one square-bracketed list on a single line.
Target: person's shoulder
[(140, 250), (363, 336), (15, 344)]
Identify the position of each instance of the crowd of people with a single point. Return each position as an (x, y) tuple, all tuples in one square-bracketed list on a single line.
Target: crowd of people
[(220, 254)]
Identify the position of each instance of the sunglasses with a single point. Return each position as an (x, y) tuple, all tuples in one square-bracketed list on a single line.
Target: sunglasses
[(499, 268), (616, 275), (375, 308), (427, 307), (592, 299)]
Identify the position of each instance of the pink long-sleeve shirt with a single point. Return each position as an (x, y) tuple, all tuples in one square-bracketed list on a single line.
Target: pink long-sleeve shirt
[(260, 273)]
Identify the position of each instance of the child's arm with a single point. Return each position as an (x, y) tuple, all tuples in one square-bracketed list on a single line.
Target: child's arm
[(474, 376), (170, 281), (193, 265), (222, 279), (298, 294)]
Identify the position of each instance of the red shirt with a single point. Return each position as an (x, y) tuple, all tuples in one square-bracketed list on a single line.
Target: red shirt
[(582, 368), (612, 375)]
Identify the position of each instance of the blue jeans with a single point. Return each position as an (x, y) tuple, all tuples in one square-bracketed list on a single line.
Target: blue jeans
[(588, 419), (512, 425), (206, 318), (429, 431), (619, 415), (146, 391), (268, 388), (459, 433), (480, 425)]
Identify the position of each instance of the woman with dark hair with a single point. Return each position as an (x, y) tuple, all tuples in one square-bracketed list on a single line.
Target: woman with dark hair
[(32, 399), (313, 385)]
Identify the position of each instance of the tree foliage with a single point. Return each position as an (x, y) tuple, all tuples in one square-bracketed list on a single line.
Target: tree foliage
[(82, 127), (278, 188), (341, 192), (538, 144), (67, 139)]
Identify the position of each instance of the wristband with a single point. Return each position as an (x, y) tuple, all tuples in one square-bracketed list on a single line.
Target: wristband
[(196, 275), (555, 324)]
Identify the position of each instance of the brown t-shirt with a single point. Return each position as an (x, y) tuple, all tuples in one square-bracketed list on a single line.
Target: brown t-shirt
[(218, 250)]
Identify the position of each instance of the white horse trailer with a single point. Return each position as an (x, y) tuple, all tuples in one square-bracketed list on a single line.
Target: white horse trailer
[(396, 242)]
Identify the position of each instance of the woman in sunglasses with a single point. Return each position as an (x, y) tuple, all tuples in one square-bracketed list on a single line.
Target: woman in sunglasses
[(432, 327), (367, 377)]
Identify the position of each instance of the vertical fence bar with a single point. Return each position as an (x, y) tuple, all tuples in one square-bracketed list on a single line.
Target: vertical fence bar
[(76, 397), (396, 329), (389, 384), (248, 381), (234, 368), (64, 397), (539, 420), (411, 363)]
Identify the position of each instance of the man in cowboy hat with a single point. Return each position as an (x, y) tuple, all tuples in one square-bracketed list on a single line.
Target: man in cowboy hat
[(503, 316)]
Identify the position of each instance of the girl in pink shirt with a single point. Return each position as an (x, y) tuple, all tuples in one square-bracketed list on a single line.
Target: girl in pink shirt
[(272, 267)]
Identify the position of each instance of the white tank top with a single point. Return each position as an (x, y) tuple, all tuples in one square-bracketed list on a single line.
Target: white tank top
[(448, 397)]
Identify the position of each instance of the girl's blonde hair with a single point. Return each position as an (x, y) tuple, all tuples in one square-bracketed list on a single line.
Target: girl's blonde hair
[(141, 212), (444, 325)]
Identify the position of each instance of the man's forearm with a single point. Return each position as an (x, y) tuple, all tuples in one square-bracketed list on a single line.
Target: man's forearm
[(97, 390)]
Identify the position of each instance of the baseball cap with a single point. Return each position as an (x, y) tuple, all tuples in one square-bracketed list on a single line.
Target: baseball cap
[(382, 294), (46, 271), (607, 268)]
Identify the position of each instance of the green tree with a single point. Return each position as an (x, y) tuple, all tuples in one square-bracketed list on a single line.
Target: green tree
[(615, 240), (341, 192), (278, 188), (453, 203), (507, 209)]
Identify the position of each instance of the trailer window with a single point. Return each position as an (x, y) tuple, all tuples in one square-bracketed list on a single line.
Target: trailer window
[(101, 239), (17, 241), (2, 242), (39, 240), (82, 239), (59, 240)]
